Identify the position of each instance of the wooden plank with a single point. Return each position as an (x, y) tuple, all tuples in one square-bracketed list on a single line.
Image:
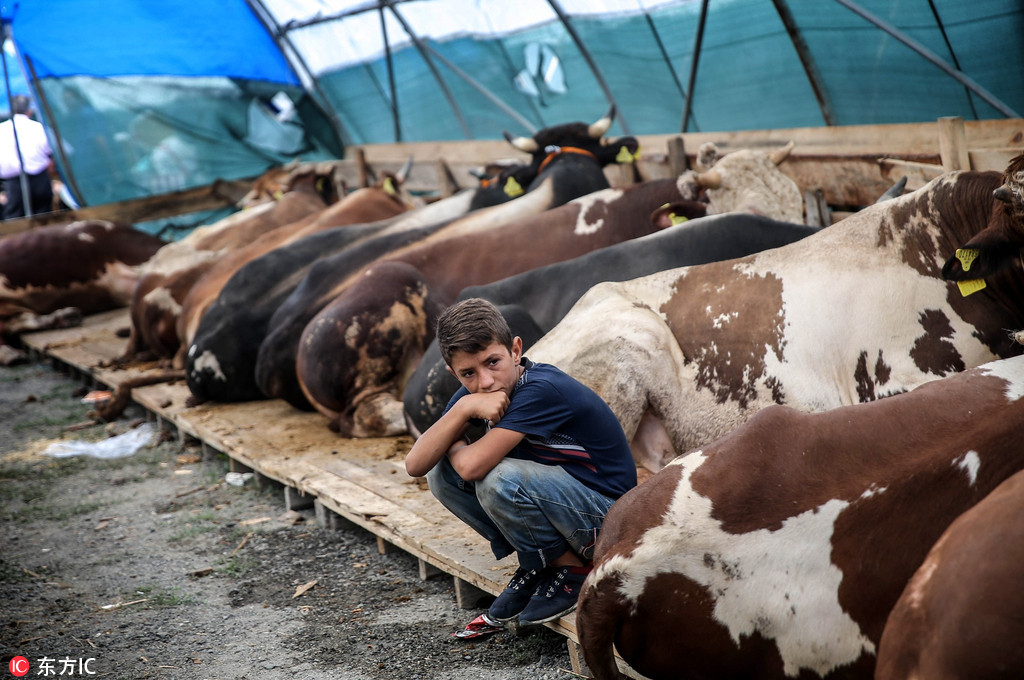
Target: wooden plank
[(953, 144), (917, 174), (219, 194)]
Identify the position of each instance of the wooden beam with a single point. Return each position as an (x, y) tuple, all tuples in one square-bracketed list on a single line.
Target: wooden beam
[(953, 144), (917, 174), (220, 194)]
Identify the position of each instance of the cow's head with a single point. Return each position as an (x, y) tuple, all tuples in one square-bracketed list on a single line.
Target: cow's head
[(577, 138), (746, 180), (506, 179), (999, 245)]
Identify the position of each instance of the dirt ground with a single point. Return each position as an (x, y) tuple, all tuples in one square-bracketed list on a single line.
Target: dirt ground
[(153, 566)]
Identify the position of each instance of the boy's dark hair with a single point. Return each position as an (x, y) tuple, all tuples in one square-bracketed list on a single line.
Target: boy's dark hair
[(470, 326)]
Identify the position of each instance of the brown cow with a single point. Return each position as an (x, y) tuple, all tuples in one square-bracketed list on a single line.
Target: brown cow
[(166, 281), (369, 204), (222, 357), (960, 615), (89, 265), (566, 162), (780, 549), (1000, 245)]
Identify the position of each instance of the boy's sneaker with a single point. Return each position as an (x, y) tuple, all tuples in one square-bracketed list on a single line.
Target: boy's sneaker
[(516, 594), (555, 598)]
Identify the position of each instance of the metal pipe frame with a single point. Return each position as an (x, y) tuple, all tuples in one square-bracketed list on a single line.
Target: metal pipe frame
[(957, 75), (810, 67), (587, 57), (697, 46), (309, 82), (425, 53)]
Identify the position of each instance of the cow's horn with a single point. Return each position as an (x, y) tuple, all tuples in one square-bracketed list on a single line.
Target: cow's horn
[(600, 128), (527, 144), (781, 154), (403, 173), (711, 179), (1003, 194)]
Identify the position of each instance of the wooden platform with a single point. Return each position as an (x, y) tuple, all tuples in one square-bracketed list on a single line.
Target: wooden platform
[(348, 481)]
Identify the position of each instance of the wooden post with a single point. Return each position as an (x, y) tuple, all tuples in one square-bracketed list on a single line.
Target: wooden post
[(678, 163), (816, 212), (445, 179), (953, 144), (428, 570), (365, 173), (468, 596), (579, 666), (294, 499), (328, 519)]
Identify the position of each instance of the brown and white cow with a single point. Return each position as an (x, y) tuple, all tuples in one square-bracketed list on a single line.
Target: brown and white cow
[(960, 615), (779, 550), (1000, 245), (50, 276), (854, 313), (746, 180), (90, 265)]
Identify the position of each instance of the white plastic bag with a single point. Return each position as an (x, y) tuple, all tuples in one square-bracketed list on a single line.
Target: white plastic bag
[(114, 447)]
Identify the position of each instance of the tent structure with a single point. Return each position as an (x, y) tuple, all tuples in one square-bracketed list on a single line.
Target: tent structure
[(145, 97)]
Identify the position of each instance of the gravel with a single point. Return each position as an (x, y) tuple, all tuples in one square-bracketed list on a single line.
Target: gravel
[(154, 567)]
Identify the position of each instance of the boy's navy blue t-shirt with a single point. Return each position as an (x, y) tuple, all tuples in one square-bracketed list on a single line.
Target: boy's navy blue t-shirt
[(566, 423)]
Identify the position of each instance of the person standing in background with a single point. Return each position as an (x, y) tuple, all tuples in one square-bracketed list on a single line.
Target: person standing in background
[(29, 147)]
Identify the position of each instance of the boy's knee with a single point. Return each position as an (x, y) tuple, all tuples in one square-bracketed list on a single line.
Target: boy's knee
[(442, 481), (507, 478)]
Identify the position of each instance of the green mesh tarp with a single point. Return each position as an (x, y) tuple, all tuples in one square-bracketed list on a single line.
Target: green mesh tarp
[(144, 97)]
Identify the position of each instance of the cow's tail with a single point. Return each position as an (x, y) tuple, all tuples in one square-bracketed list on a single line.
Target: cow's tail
[(597, 617)]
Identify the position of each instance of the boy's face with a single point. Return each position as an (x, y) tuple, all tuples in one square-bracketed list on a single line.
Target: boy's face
[(489, 370)]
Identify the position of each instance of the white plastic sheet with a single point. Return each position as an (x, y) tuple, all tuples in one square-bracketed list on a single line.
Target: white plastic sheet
[(114, 447)]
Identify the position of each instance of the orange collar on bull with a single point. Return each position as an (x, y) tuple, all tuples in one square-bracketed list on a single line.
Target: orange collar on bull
[(553, 151)]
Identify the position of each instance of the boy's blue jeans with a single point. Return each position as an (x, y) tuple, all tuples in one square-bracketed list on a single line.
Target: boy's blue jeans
[(538, 511)]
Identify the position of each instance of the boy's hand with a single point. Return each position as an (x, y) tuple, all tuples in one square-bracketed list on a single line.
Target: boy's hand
[(489, 406)]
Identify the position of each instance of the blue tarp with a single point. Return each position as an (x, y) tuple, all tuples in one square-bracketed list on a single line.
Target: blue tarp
[(104, 38), (234, 86)]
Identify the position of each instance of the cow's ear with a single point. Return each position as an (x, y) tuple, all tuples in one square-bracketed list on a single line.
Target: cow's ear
[(975, 261), (667, 216)]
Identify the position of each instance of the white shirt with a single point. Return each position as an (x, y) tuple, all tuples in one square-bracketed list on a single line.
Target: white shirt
[(35, 148)]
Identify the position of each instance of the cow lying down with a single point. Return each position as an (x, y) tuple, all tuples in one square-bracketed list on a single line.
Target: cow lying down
[(854, 313), (51, 276), (779, 550), (960, 615), (534, 301)]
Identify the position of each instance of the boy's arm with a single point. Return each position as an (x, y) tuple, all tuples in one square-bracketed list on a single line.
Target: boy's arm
[(446, 434)]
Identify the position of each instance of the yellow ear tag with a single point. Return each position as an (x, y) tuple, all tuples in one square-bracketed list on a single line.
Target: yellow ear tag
[(677, 219), (624, 155), (967, 257), (389, 186), (972, 286), (278, 194), (512, 188)]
